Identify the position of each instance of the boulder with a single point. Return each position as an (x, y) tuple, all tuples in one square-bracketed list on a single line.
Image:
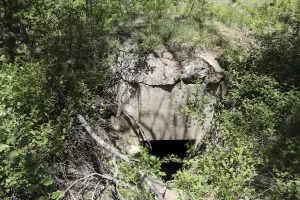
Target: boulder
[(132, 150), (146, 69), (195, 68)]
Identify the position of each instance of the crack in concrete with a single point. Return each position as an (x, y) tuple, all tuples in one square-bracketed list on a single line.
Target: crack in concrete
[(165, 87)]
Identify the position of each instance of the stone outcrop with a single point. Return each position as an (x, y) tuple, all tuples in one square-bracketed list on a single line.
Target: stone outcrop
[(155, 86), (168, 193)]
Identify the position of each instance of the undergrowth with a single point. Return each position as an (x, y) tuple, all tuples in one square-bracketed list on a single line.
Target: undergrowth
[(54, 64), (180, 23), (254, 151)]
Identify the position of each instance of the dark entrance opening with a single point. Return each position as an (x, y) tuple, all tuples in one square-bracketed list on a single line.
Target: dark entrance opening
[(166, 148)]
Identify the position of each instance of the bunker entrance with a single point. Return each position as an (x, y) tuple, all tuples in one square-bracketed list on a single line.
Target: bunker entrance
[(166, 148)]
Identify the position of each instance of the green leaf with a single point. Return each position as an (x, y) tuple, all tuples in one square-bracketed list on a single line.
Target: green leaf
[(162, 174), (3, 147), (29, 159), (48, 181), (56, 194), (13, 156), (11, 140), (152, 158), (2, 58), (19, 127)]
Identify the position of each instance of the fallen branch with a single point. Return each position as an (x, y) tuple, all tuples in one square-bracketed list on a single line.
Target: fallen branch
[(72, 196), (81, 191), (101, 142), (116, 182), (116, 153), (141, 132), (95, 190), (103, 189), (84, 178)]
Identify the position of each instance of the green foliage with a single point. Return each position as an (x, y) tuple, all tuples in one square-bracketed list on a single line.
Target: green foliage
[(157, 7), (255, 155), (197, 103), (174, 23), (257, 147), (50, 72), (197, 10), (56, 194), (27, 128), (255, 151), (54, 64), (171, 158), (150, 165), (276, 28)]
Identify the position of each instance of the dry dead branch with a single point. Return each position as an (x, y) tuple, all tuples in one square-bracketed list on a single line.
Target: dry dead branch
[(101, 142), (116, 182), (93, 195), (109, 178)]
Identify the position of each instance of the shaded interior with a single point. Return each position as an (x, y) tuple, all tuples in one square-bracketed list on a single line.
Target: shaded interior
[(165, 148)]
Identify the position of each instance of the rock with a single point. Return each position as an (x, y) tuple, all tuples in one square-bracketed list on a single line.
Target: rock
[(128, 48), (160, 186), (160, 50), (161, 74), (167, 193), (167, 55), (132, 150), (174, 65), (148, 69), (176, 47), (115, 125), (196, 68), (171, 195), (203, 64), (210, 57)]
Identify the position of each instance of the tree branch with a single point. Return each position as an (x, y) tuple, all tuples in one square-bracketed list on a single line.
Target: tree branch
[(116, 182), (101, 142), (84, 178), (95, 190)]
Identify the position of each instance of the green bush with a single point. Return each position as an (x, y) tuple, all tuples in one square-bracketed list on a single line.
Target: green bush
[(29, 135), (150, 165), (255, 150), (255, 155)]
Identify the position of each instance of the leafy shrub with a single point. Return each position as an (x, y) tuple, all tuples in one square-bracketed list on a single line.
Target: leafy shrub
[(150, 165), (254, 154), (29, 135), (254, 151)]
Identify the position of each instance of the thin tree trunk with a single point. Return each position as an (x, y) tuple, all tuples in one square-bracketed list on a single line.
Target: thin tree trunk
[(88, 9)]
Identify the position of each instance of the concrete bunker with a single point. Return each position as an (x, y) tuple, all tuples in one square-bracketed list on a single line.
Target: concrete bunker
[(152, 91)]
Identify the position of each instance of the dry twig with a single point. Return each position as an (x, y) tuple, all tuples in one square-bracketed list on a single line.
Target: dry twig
[(116, 182), (84, 178), (93, 195)]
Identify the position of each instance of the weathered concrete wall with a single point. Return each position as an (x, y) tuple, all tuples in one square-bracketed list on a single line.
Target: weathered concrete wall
[(156, 111), (150, 99)]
